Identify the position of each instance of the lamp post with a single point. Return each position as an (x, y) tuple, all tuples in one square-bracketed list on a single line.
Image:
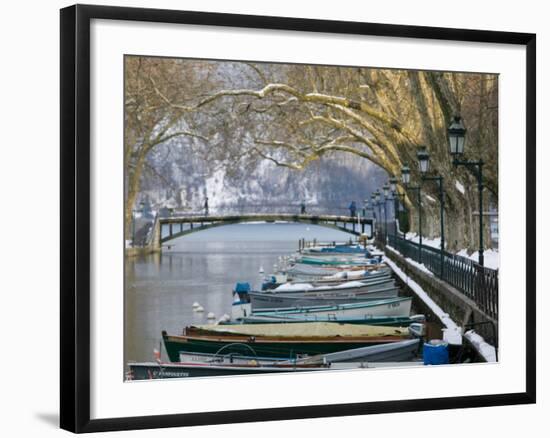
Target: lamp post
[(424, 165), (406, 180), (395, 197), (457, 140), (386, 189), (378, 204), (399, 201)]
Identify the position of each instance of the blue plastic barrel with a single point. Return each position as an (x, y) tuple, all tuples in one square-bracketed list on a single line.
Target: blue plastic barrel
[(435, 352)]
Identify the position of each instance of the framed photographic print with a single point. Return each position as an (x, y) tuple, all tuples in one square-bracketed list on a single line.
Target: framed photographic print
[(285, 211)]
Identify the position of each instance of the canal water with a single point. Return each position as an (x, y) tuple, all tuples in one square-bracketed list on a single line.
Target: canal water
[(202, 267)]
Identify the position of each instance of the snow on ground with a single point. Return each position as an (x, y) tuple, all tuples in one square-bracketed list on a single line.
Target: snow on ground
[(420, 266), (451, 333), (434, 243), (485, 349), (491, 258), (459, 187)]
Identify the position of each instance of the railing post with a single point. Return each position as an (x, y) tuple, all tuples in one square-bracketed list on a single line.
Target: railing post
[(442, 216), (480, 190)]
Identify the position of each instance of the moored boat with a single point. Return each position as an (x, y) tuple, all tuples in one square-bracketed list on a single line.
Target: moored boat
[(335, 249), (270, 346), (177, 370), (338, 261), (306, 329), (392, 352), (311, 272), (352, 286), (335, 279), (389, 321), (388, 307), (266, 300), (379, 282)]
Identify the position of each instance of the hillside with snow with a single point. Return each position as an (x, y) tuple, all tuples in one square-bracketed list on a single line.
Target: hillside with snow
[(180, 180)]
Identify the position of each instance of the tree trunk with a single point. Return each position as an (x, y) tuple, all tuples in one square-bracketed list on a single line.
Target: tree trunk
[(132, 190)]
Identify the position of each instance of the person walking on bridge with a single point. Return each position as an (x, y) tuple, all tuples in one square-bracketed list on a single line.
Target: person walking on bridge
[(206, 206), (303, 208), (352, 209)]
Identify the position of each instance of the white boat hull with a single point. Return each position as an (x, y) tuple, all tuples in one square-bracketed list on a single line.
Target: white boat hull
[(399, 307)]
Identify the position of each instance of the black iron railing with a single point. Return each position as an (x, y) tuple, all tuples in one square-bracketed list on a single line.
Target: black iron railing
[(477, 282)]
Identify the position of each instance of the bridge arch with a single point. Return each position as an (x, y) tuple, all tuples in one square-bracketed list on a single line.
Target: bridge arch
[(355, 226)]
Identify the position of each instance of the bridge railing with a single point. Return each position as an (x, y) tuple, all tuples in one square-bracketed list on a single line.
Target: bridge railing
[(476, 282), (265, 209)]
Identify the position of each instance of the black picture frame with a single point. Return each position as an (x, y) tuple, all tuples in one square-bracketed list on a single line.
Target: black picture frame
[(75, 217)]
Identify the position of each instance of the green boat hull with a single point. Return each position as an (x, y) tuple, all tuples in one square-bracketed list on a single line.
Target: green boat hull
[(285, 350), (384, 321)]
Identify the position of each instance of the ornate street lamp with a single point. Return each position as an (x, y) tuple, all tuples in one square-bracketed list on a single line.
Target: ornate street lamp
[(365, 207), (386, 189), (405, 175), (457, 137), (424, 166), (423, 160), (393, 184), (406, 179), (457, 141)]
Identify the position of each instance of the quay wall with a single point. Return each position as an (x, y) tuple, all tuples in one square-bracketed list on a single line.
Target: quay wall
[(152, 247), (459, 307)]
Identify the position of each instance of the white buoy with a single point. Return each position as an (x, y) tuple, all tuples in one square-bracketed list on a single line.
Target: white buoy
[(211, 315), (199, 309), (195, 305)]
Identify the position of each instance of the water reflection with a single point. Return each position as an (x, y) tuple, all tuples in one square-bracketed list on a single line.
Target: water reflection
[(160, 289)]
